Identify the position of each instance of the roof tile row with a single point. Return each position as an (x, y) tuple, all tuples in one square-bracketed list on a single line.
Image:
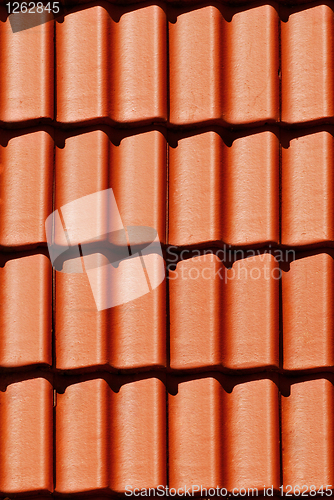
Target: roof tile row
[(219, 192), (111, 436), (220, 317), (108, 68)]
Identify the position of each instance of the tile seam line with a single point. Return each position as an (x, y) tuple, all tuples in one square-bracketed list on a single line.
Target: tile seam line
[(53, 196), (59, 381), (280, 430), (229, 135), (256, 250)]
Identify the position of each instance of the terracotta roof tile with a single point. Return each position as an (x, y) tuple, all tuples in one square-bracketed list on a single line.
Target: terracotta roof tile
[(308, 323), (209, 58), (26, 72), (251, 304), (82, 65), (252, 431), (307, 46), (26, 176), (220, 192), (26, 437), (195, 38), (307, 188), (121, 56), (99, 426), (83, 336), (250, 61), (208, 422), (195, 432), (82, 443), (307, 433), (215, 310), (25, 291)]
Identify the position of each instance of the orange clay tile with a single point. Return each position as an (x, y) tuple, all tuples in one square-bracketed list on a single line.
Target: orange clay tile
[(26, 72), (82, 437), (307, 49), (195, 304), (26, 170), (250, 313), (308, 329), (111, 438), (224, 193), (138, 74), (137, 175), (250, 190), (81, 330), (250, 437), (212, 418), (307, 188), (226, 317), (307, 434), (25, 305), (195, 64), (250, 66), (195, 180), (26, 437), (138, 434), (213, 79), (102, 56), (82, 70), (195, 429), (121, 336)]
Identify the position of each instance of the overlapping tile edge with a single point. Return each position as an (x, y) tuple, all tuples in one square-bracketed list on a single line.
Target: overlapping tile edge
[(313, 393)]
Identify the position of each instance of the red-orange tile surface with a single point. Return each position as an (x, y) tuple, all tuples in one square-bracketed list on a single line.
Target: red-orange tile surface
[(226, 317), (224, 193), (195, 292), (250, 190), (307, 434), (250, 313), (214, 424), (250, 66), (138, 177), (308, 297), (138, 79), (81, 169), (26, 437), (108, 438), (206, 127), (26, 71), (307, 49), (195, 65), (138, 434), (250, 443), (195, 430), (130, 335), (308, 189), (195, 179), (82, 69), (25, 311), (137, 329), (26, 171), (108, 67), (82, 437), (213, 75)]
